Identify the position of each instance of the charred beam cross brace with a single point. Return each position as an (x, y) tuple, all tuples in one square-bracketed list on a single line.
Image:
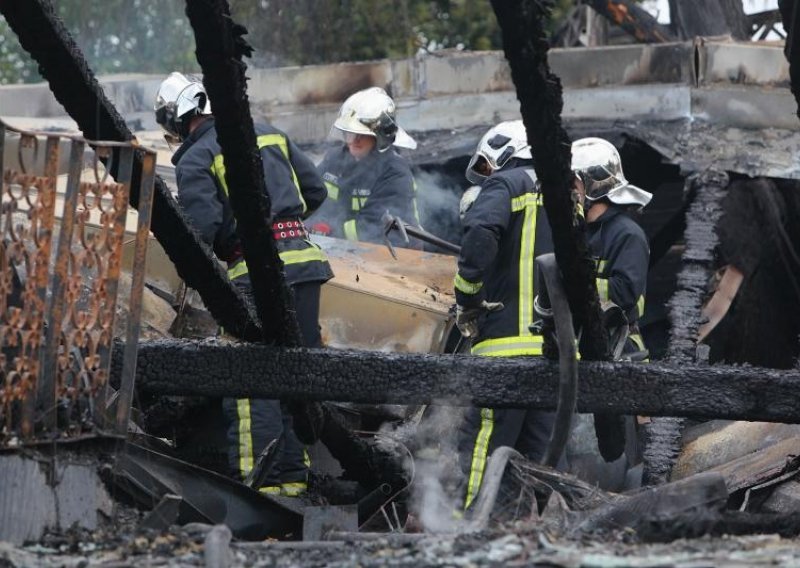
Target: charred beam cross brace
[(657, 389), (75, 86), (220, 47)]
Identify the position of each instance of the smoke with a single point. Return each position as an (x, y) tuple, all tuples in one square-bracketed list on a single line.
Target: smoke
[(437, 487), (437, 497), (438, 197)]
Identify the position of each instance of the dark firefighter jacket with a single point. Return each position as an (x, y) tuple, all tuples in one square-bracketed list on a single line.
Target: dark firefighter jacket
[(503, 231), (361, 191), (295, 190), (623, 255)]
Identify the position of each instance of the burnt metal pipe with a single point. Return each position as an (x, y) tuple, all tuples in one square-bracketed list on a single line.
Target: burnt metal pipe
[(567, 359)]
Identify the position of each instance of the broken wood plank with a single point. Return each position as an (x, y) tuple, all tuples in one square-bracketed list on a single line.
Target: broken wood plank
[(696, 494), (713, 444), (42, 34), (656, 389), (761, 466)]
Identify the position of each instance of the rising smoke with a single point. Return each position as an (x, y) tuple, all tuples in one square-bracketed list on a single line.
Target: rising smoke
[(432, 465), (438, 196)]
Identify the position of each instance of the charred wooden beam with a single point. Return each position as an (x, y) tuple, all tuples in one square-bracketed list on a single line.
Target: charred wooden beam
[(540, 95), (362, 459), (663, 435), (248, 370), (790, 14), (42, 34), (698, 263), (708, 524), (220, 48), (634, 19)]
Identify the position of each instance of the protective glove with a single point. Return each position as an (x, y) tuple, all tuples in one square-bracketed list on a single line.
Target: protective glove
[(467, 318)]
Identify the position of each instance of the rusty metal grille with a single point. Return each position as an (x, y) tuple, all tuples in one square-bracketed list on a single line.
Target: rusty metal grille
[(58, 297)]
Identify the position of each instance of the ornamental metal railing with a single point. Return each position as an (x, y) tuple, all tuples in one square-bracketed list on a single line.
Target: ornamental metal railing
[(61, 242)]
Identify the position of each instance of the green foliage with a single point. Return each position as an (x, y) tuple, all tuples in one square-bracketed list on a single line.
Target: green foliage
[(15, 64), (131, 36), (154, 36), (304, 32)]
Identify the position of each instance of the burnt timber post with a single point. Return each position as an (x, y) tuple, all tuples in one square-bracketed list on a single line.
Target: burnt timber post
[(540, 95), (220, 47), (664, 434), (43, 35)]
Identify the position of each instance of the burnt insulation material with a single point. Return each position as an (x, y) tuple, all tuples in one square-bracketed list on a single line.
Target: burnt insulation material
[(74, 85), (540, 95), (663, 435), (220, 48), (657, 389)]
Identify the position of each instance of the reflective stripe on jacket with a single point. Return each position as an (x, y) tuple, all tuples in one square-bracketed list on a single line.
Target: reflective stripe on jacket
[(503, 231), (361, 191), (295, 190), (623, 255)]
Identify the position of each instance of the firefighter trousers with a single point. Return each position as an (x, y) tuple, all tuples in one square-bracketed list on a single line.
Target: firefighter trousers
[(252, 424), (483, 430)]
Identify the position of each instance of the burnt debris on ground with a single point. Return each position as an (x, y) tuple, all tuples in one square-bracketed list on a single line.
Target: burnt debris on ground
[(95, 470)]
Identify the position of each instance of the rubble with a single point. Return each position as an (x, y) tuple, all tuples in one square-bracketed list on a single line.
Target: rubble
[(526, 513)]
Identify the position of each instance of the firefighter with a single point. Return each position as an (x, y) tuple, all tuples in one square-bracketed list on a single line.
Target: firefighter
[(295, 190), (503, 230), (618, 243), (365, 176)]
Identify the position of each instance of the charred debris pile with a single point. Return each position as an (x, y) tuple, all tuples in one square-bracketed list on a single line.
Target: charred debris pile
[(726, 252)]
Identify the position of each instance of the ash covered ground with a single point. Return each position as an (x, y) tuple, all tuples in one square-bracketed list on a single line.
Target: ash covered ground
[(521, 544)]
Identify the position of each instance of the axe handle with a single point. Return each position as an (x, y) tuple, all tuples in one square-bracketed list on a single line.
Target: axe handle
[(423, 235)]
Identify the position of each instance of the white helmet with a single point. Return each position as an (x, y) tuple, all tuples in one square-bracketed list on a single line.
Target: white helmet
[(597, 163), (501, 143), (372, 112), (178, 99)]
